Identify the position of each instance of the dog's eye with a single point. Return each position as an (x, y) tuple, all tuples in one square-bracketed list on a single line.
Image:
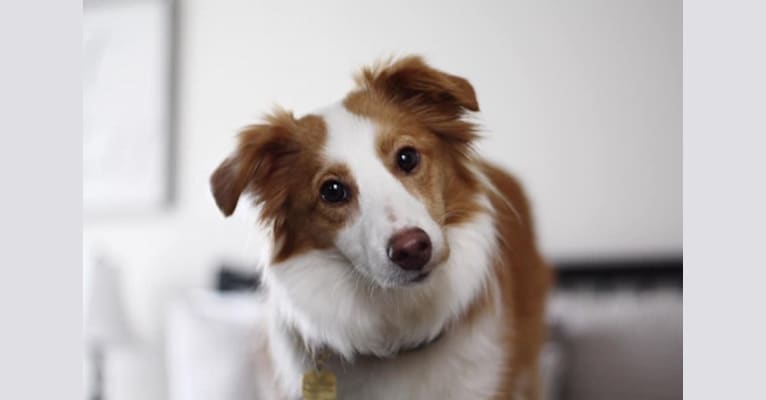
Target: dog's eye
[(407, 159), (333, 191)]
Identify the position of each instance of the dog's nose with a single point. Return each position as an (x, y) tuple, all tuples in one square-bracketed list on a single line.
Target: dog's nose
[(410, 249)]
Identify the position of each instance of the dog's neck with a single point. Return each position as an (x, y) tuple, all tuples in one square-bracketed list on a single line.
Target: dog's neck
[(326, 350), (412, 349)]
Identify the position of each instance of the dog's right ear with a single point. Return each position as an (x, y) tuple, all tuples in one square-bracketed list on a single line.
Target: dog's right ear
[(227, 185), (262, 158)]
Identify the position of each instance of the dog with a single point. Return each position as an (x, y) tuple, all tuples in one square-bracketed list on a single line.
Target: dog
[(396, 254)]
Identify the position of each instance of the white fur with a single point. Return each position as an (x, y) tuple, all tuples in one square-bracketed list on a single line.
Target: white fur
[(347, 299)]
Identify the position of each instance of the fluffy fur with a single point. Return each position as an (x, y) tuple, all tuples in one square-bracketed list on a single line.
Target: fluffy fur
[(330, 284)]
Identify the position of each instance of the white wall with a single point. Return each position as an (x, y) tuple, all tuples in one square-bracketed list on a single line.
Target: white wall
[(581, 99)]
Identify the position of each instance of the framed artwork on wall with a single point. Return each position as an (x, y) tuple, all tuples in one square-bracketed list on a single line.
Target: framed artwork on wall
[(128, 69)]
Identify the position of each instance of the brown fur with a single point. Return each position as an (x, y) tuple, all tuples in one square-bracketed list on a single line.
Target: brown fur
[(524, 280), (280, 164)]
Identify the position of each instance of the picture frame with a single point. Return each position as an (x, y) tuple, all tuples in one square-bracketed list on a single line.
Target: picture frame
[(128, 106)]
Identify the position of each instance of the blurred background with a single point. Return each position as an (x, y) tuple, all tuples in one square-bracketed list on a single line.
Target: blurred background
[(580, 99)]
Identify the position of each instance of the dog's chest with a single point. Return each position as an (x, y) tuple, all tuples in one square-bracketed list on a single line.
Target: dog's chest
[(462, 366)]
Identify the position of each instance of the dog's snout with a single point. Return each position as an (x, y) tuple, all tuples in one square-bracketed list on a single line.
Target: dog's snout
[(410, 249)]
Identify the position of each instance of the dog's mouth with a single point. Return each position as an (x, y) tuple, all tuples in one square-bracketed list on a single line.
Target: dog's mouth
[(420, 277), (406, 280), (396, 280)]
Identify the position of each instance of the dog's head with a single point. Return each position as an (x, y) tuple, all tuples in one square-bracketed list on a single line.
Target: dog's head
[(364, 200), (375, 179)]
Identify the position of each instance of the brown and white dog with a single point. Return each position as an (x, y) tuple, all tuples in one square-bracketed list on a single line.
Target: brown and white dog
[(394, 247)]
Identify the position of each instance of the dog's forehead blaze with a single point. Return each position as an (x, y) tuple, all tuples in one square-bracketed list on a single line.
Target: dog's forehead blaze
[(445, 184)]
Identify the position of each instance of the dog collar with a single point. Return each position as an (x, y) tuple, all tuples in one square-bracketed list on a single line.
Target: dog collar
[(406, 350)]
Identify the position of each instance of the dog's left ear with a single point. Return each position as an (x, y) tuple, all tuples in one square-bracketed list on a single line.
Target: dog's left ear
[(413, 82)]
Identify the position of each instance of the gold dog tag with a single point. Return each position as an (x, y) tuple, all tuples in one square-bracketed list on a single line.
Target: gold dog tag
[(319, 385)]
